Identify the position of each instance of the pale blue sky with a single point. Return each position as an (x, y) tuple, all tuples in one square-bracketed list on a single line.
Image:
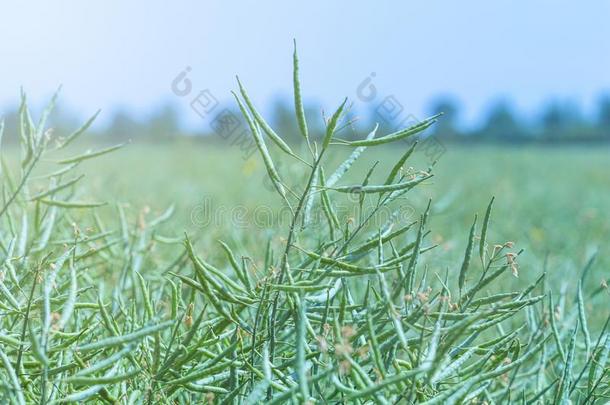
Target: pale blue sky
[(111, 53)]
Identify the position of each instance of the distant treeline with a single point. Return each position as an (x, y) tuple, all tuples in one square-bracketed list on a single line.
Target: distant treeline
[(556, 123)]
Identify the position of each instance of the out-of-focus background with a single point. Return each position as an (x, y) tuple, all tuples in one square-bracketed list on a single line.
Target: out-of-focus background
[(524, 88)]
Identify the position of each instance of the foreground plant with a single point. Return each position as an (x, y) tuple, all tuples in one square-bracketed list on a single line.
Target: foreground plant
[(339, 313)]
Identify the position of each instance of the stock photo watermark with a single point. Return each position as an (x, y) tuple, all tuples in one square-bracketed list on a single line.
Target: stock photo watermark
[(389, 111), (208, 213), (230, 127), (222, 121)]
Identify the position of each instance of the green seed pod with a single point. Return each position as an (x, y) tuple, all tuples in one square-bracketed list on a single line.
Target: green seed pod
[(413, 130), (347, 163), (398, 166), (583, 319), (91, 154), (12, 377), (262, 148), (261, 121), (467, 255), (483, 241), (332, 125), (124, 339), (57, 188), (298, 101), (359, 189), (72, 204), (70, 138)]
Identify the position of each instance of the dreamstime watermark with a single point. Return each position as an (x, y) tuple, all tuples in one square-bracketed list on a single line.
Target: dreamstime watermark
[(391, 112), (207, 213), (227, 125), (222, 121)]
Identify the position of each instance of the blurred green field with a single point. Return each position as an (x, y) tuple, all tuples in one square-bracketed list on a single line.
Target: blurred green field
[(548, 200)]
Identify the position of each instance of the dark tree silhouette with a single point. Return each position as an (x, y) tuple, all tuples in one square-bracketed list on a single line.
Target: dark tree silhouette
[(502, 123), (447, 125)]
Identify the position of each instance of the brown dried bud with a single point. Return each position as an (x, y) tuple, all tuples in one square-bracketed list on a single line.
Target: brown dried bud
[(343, 348), (322, 344), (344, 367), (423, 296), (347, 332)]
